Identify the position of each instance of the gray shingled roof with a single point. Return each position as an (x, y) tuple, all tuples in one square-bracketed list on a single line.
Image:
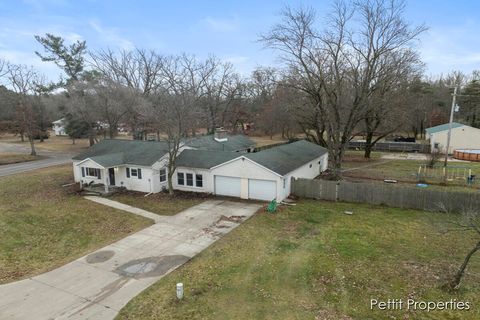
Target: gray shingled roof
[(287, 157), (237, 142), (281, 159), (204, 159), (109, 153)]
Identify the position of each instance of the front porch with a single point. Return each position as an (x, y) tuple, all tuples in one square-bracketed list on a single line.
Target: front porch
[(100, 189)]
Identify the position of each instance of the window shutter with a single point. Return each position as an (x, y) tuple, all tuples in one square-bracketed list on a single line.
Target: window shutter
[(99, 175), (83, 172), (128, 172), (139, 173)]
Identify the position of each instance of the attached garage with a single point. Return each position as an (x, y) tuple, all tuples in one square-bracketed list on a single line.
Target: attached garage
[(263, 175), (262, 189), (227, 186)]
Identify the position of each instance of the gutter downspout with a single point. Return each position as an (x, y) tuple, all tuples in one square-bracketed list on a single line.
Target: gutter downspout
[(149, 180)]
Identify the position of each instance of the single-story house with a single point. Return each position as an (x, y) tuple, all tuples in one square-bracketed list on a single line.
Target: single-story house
[(59, 127), (142, 166), (462, 137)]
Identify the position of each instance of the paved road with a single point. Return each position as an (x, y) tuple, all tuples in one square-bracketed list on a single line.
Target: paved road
[(98, 285), (54, 158)]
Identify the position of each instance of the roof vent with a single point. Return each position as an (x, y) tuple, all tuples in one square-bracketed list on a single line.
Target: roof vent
[(220, 135)]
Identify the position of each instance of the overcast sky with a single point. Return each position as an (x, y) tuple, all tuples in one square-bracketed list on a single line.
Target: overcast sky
[(228, 29)]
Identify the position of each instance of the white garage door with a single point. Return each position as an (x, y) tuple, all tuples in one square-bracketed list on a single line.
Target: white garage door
[(227, 186), (262, 189)]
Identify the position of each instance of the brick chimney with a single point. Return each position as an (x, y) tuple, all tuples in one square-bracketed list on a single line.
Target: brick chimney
[(220, 135)]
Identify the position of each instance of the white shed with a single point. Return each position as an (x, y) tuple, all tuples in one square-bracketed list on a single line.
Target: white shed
[(463, 137)]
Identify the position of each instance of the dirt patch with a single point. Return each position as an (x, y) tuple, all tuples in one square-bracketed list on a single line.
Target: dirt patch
[(100, 256), (222, 226), (357, 158), (151, 266), (212, 232), (236, 219)]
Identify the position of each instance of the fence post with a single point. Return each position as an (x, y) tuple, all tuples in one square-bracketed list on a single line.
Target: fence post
[(337, 187)]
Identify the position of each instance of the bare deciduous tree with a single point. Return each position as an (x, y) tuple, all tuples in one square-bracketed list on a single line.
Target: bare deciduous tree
[(338, 68), (25, 82), (3, 68), (139, 70), (82, 102), (114, 102), (468, 224), (389, 105), (174, 103), (221, 88)]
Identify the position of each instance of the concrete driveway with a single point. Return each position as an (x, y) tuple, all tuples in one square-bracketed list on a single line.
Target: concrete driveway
[(54, 158), (98, 285)]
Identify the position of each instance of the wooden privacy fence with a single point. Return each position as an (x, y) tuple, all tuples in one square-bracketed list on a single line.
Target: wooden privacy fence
[(387, 194)]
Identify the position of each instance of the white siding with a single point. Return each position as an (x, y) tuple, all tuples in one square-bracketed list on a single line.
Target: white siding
[(207, 180), (146, 184), (318, 165), (462, 138), (245, 169), (77, 172)]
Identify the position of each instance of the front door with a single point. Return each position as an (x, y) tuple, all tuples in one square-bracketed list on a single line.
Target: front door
[(111, 176)]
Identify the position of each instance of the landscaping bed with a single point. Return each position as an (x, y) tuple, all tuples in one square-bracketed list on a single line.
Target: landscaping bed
[(313, 261)]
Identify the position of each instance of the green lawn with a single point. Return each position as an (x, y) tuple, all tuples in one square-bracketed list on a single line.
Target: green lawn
[(159, 203), (44, 225), (312, 261)]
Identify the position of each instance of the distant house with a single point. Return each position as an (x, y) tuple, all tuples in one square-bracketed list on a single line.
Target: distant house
[(211, 164), (462, 137), (59, 127)]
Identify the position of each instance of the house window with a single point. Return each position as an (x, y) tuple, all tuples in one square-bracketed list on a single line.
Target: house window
[(189, 179), (284, 183), (134, 172), (199, 180), (310, 165), (180, 179), (163, 175), (93, 172)]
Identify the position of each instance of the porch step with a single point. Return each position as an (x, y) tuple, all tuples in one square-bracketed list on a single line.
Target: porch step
[(91, 193)]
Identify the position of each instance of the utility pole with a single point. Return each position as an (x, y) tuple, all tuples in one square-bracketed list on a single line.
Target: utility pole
[(454, 98)]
